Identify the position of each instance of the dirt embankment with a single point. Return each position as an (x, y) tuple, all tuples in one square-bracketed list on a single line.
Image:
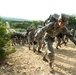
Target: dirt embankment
[(26, 62)]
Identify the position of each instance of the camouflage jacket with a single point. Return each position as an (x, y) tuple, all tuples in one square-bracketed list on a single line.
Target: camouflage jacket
[(52, 31)]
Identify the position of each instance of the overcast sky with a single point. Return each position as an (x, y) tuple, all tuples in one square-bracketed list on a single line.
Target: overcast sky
[(36, 9)]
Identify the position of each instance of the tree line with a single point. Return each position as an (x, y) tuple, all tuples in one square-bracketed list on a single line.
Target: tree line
[(24, 24)]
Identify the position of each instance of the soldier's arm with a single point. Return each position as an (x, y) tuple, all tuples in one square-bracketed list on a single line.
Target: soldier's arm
[(46, 21), (69, 35), (42, 31)]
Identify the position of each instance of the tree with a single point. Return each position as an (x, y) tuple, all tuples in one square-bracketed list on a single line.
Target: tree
[(72, 23)]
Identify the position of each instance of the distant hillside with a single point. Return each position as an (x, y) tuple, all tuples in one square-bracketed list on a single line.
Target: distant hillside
[(12, 19)]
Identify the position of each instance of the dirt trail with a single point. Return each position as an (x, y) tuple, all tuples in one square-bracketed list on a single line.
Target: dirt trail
[(26, 62)]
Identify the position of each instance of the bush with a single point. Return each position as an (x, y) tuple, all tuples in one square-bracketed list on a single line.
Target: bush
[(4, 41)]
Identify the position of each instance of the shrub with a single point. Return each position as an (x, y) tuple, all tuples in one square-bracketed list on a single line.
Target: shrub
[(4, 41)]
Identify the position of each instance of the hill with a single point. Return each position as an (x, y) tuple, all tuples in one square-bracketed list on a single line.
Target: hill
[(12, 19), (26, 62)]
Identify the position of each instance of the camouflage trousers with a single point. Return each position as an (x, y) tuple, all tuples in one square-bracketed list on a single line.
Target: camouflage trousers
[(49, 53)]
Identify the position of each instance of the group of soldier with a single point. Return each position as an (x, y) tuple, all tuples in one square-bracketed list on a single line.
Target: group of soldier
[(54, 26), (18, 38)]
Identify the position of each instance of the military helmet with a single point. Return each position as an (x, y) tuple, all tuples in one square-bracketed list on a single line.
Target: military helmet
[(56, 16), (64, 18)]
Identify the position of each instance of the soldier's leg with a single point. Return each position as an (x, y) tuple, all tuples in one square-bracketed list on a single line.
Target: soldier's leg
[(23, 41), (12, 40), (29, 42), (63, 41), (58, 43), (66, 39), (18, 40), (49, 56), (43, 44), (39, 47), (35, 43)]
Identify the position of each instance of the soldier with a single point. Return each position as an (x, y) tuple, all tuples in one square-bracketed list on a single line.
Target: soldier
[(61, 38), (29, 28), (40, 41), (52, 29), (13, 38), (31, 36)]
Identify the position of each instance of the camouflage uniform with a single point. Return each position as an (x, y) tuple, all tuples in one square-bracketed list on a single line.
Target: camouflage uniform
[(13, 38), (40, 41), (29, 28), (31, 37), (52, 30), (61, 38)]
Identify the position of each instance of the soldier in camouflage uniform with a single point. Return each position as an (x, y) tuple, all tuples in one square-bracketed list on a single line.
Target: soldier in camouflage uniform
[(52, 29), (61, 38), (29, 28), (31, 36), (40, 41)]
